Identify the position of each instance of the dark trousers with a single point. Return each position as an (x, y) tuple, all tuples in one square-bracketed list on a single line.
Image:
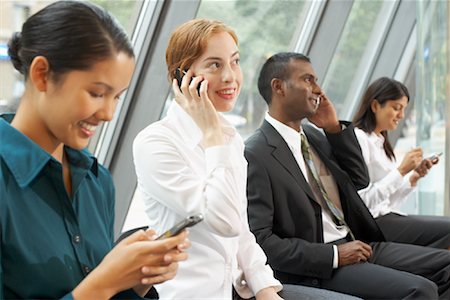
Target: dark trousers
[(396, 271), (431, 231), (296, 292)]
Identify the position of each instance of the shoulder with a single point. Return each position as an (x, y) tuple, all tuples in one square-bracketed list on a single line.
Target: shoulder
[(157, 133), (257, 139), (361, 134), (363, 139)]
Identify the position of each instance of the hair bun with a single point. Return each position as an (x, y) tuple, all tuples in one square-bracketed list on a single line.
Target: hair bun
[(14, 45)]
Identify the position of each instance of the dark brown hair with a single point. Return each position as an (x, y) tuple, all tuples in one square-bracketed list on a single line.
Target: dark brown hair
[(382, 90)]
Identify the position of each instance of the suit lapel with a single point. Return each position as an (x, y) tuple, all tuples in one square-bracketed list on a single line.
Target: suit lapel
[(282, 153)]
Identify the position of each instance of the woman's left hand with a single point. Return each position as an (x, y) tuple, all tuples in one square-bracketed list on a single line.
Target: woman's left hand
[(268, 294)]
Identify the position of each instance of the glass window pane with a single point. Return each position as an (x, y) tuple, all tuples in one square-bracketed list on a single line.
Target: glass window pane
[(350, 50), (432, 103)]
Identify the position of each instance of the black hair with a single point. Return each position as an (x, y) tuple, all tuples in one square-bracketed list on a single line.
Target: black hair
[(276, 67), (382, 90), (71, 35)]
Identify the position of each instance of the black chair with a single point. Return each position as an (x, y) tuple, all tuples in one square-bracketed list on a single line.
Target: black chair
[(128, 233)]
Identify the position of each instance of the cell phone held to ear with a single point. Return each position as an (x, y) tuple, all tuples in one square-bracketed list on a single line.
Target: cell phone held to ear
[(179, 227), (179, 76)]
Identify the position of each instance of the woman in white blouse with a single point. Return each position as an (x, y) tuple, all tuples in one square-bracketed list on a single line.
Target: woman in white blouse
[(381, 109), (192, 161)]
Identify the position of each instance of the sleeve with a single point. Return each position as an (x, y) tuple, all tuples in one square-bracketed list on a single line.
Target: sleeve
[(392, 186), (112, 205), (165, 172), (348, 155), (257, 274), (67, 297), (288, 254), (2, 296), (108, 201)]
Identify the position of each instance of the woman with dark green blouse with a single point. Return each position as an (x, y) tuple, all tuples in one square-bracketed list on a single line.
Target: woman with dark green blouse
[(56, 200)]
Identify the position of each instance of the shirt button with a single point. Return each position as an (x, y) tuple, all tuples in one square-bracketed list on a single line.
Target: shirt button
[(315, 282), (86, 269), (76, 239)]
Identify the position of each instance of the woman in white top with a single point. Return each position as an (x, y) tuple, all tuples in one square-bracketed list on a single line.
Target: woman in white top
[(192, 161), (381, 109)]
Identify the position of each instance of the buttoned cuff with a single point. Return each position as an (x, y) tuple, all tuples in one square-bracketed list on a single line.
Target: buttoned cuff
[(258, 279), (335, 257)]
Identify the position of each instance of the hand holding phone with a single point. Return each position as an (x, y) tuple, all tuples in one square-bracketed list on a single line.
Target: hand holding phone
[(179, 227), (179, 76), (434, 156)]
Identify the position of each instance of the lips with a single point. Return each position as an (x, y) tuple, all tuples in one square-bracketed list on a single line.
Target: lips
[(229, 93), (88, 129)]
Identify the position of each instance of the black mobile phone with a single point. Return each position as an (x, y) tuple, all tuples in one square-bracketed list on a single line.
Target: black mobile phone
[(179, 76), (188, 222)]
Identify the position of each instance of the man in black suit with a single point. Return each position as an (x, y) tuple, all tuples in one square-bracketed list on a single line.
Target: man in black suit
[(304, 208)]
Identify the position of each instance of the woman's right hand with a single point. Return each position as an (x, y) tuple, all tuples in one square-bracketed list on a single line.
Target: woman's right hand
[(411, 160), (199, 107), (136, 261)]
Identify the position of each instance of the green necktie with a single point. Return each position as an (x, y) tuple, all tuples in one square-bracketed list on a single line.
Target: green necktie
[(338, 216)]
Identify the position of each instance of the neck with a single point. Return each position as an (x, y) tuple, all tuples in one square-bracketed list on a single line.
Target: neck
[(294, 124), (28, 121)]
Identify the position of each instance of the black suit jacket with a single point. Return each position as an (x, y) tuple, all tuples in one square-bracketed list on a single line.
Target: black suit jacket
[(283, 214)]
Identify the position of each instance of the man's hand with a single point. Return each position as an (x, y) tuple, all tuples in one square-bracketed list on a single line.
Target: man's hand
[(325, 116), (353, 252)]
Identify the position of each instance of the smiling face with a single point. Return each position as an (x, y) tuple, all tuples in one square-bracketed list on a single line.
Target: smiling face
[(389, 114), (73, 107), (219, 64), (301, 91)]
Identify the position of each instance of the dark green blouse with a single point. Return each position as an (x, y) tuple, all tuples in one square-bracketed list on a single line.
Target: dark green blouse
[(49, 241)]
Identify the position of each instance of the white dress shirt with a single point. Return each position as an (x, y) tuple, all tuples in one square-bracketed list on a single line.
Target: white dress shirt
[(177, 177), (292, 138), (387, 189)]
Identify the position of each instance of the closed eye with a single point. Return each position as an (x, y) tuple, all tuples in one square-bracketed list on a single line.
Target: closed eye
[(96, 95)]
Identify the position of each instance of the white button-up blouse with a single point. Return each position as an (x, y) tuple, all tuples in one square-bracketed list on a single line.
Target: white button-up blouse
[(387, 189), (177, 178)]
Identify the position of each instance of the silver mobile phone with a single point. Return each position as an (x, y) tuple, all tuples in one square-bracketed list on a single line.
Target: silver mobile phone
[(179, 227), (434, 156)]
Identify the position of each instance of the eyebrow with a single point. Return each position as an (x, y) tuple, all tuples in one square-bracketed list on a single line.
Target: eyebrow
[(106, 86), (218, 58), (109, 88)]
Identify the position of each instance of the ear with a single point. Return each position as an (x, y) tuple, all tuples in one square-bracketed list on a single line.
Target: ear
[(39, 73), (375, 105), (277, 86)]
